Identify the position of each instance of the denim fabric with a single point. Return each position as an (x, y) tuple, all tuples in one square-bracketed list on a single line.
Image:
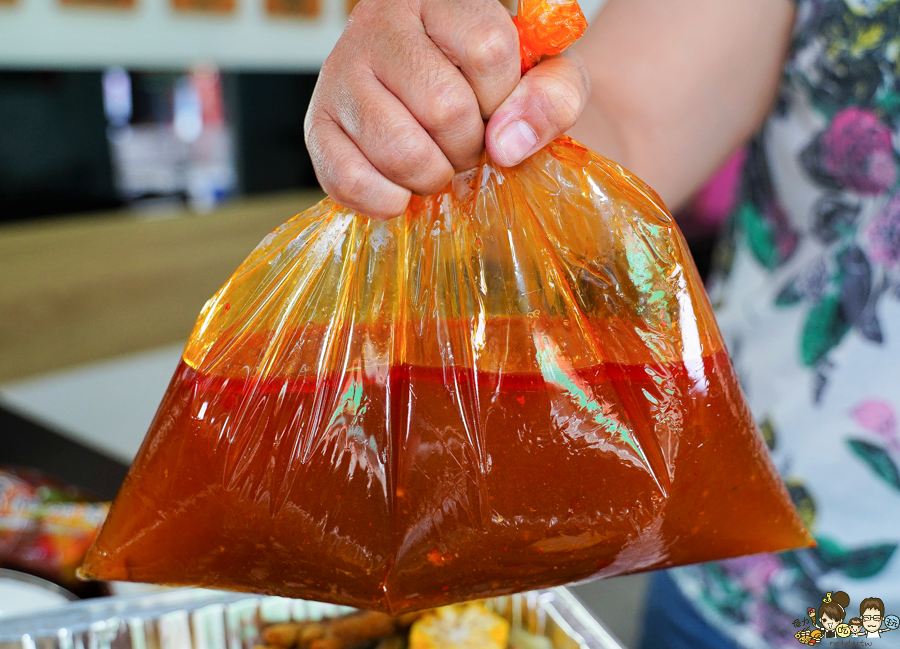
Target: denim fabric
[(671, 622)]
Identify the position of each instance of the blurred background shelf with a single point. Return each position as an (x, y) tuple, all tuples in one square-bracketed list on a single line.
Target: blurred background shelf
[(90, 287)]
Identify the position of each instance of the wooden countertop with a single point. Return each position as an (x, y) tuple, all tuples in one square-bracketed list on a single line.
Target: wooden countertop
[(82, 288)]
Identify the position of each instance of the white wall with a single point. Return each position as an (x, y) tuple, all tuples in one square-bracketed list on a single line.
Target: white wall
[(42, 33)]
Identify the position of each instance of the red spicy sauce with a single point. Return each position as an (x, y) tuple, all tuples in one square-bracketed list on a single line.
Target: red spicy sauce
[(427, 486)]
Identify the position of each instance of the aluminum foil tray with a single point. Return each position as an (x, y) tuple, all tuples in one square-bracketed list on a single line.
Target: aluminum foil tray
[(204, 619)]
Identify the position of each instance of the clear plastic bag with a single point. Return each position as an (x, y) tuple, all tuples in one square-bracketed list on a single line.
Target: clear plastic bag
[(517, 384)]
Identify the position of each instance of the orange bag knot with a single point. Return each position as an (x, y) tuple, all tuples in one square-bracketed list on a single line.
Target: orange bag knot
[(547, 27)]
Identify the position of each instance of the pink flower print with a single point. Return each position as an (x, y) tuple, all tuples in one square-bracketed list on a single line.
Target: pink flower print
[(754, 573), (771, 623), (883, 234), (716, 200), (857, 152), (878, 417)]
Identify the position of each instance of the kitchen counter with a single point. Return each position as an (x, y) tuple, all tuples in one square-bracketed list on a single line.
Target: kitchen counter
[(83, 288)]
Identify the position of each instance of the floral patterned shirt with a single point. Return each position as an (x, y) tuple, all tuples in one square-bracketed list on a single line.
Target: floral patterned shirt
[(807, 293)]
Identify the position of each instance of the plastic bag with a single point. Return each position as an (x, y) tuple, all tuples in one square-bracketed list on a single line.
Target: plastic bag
[(518, 384)]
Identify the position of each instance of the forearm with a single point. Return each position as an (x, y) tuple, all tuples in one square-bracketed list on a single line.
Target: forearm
[(677, 86)]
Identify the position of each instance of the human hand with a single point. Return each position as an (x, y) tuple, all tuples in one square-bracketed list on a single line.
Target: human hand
[(401, 103)]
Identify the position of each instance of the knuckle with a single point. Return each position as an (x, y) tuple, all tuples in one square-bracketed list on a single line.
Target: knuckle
[(434, 182), (312, 122), (413, 161), (562, 103), (449, 105), (349, 181), (494, 45), (584, 76), (316, 137), (366, 11), (406, 157)]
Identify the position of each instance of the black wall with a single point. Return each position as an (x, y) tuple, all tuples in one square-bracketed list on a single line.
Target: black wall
[(54, 155), (268, 110), (53, 152)]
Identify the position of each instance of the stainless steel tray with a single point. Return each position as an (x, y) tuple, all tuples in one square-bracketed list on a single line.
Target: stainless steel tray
[(204, 619)]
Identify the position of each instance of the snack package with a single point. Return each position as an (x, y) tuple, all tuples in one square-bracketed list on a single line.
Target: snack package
[(46, 527), (517, 384)]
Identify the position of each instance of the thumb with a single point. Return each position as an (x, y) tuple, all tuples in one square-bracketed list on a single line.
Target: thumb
[(547, 101)]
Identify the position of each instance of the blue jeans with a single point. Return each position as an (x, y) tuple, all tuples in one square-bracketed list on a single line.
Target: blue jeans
[(672, 622)]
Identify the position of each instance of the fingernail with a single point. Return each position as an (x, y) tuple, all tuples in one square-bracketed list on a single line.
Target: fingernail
[(515, 141)]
